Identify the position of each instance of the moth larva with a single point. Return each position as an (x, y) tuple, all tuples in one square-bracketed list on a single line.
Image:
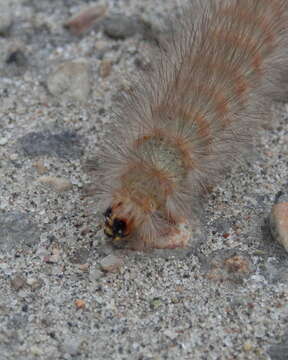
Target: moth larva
[(187, 120)]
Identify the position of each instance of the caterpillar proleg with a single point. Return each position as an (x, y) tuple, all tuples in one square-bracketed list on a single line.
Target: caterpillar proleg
[(182, 124)]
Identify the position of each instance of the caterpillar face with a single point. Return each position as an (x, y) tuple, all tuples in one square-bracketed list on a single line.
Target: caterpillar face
[(115, 227)]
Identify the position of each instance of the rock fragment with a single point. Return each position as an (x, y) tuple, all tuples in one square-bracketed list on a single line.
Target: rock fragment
[(18, 282), (279, 223), (120, 26), (105, 68), (57, 183), (86, 19), (65, 144), (111, 263)]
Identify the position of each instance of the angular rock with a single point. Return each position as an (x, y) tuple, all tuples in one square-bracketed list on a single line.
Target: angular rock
[(57, 183), (120, 26), (279, 223), (111, 263), (64, 145), (86, 19)]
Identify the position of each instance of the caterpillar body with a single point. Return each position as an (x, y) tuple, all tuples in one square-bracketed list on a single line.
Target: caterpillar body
[(184, 122)]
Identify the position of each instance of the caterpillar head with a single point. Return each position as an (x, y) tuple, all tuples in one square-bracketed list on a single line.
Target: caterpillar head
[(115, 227), (126, 214)]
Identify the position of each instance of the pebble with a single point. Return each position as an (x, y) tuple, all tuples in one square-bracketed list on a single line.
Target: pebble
[(156, 303), (80, 304), (18, 282), (105, 68), (120, 26), (3, 141), (70, 80), (34, 283), (14, 61), (16, 57), (279, 223), (5, 19), (247, 347), (111, 263), (57, 183), (66, 144), (84, 267), (86, 19), (95, 274)]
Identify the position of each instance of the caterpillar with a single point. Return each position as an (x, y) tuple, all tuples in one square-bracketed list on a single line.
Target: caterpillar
[(182, 124)]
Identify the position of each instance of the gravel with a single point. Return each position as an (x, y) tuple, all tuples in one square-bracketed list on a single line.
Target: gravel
[(224, 298)]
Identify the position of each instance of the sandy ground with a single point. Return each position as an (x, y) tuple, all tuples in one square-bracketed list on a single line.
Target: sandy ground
[(226, 298)]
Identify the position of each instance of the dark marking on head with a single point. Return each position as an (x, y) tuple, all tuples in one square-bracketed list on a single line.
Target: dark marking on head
[(114, 227)]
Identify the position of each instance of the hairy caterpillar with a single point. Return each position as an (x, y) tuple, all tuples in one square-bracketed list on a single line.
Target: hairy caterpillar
[(183, 123)]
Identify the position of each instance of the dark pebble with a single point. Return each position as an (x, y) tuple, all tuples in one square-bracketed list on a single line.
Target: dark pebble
[(120, 26), (64, 145), (17, 58)]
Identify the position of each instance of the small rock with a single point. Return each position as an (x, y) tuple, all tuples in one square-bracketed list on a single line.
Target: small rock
[(156, 303), (5, 19), (171, 334), (247, 347), (87, 18), (3, 141), (105, 68), (71, 79), (84, 267), (64, 145), (51, 259), (111, 263), (18, 282), (80, 304), (57, 183), (42, 251), (119, 26), (16, 57), (34, 283), (95, 274), (279, 223)]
